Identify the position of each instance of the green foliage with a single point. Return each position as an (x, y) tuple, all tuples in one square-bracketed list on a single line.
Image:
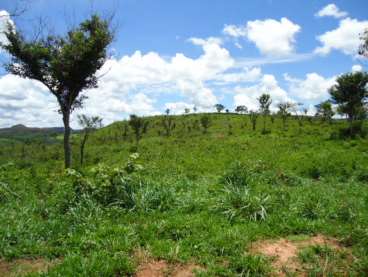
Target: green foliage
[(65, 65), (351, 94), (205, 122), (201, 198), (239, 203)]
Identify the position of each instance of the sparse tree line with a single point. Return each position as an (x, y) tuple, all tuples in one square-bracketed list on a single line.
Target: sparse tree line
[(67, 66)]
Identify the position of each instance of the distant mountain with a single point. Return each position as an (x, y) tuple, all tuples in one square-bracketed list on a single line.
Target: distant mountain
[(22, 132)]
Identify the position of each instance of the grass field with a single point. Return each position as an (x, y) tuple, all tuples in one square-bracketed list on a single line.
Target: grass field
[(220, 203)]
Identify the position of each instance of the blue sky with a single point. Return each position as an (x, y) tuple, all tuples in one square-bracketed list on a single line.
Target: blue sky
[(199, 53)]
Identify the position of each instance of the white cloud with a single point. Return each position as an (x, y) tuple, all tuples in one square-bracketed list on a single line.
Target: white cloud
[(26, 101), (272, 37), (245, 75), (331, 10), (313, 88), (4, 21), (178, 107), (130, 84), (268, 84), (235, 31), (357, 68), (345, 38)]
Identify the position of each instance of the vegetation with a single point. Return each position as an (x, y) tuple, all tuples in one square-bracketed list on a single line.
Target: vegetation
[(65, 65), (89, 124), (351, 94), (189, 197)]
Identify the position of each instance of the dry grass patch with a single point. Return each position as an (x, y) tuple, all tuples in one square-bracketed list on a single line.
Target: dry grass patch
[(22, 267), (149, 267), (285, 253)]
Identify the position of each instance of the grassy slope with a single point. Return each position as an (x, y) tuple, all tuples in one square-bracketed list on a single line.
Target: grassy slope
[(290, 182)]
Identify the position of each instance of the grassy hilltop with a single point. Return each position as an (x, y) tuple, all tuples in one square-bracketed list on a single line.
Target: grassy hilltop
[(210, 201)]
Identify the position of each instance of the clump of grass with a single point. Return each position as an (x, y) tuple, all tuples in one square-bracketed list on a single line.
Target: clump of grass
[(239, 203)]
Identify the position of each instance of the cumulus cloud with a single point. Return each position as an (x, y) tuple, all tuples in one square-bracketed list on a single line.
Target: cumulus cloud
[(272, 37), (357, 68), (26, 101), (178, 107), (248, 96), (313, 88), (128, 85), (331, 10), (345, 38), (4, 21)]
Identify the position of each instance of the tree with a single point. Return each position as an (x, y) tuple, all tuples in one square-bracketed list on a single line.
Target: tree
[(195, 109), (167, 111), (325, 111), (137, 124), (241, 109), (350, 94), (205, 122), (284, 112), (219, 107), (65, 65), (186, 110), (253, 119), (264, 103), (89, 124), (168, 124)]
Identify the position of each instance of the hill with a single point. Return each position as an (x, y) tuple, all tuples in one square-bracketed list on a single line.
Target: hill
[(21, 132), (221, 202)]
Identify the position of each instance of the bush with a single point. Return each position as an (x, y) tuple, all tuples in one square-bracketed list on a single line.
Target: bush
[(238, 175), (238, 202)]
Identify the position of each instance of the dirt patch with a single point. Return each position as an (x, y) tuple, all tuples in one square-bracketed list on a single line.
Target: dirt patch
[(149, 267), (164, 269), (284, 252), (21, 267)]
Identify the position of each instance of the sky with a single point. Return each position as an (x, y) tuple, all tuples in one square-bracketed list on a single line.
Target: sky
[(181, 54)]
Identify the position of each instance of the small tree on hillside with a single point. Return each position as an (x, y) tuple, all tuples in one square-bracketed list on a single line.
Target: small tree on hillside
[(284, 112), (205, 122), (167, 111), (137, 124), (350, 94), (241, 109), (89, 124), (168, 124), (186, 110), (219, 108), (253, 119), (264, 103), (65, 65), (325, 111)]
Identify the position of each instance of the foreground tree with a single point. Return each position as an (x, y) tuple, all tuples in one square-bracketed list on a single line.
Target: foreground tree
[(65, 65), (325, 111), (89, 124), (219, 107), (351, 94), (264, 106)]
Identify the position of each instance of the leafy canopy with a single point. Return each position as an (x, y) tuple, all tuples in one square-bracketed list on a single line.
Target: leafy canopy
[(65, 65), (351, 94)]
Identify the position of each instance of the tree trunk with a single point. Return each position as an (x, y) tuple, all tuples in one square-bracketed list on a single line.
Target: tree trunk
[(82, 147), (67, 147), (351, 126)]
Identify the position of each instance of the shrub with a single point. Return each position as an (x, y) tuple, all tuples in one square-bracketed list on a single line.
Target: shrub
[(238, 202), (238, 175)]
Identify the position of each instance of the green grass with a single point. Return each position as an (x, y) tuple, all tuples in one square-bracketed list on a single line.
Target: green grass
[(198, 197)]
